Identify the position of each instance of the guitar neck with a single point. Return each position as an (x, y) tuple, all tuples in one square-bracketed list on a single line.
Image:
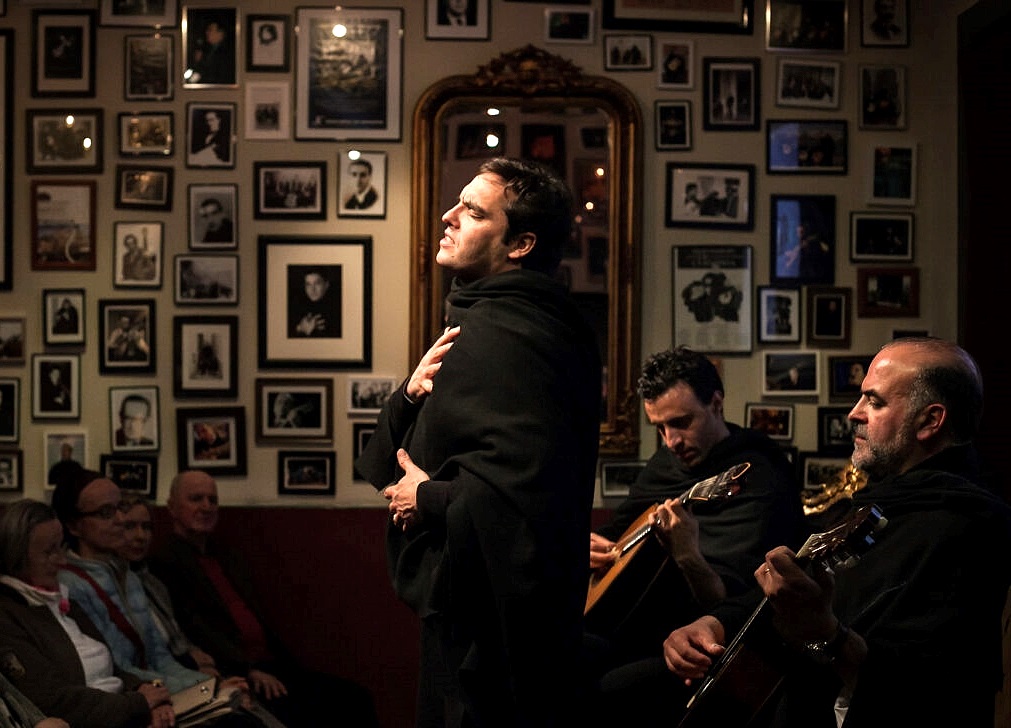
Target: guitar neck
[(707, 489)]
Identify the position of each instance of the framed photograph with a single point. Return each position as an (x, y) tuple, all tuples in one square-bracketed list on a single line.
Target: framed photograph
[(617, 478), (367, 395), (803, 240), (829, 316), (12, 340), (306, 472), (289, 190), (137, 473), (149, 63), (881, 236), (564, 25), (213, 211), (212, 439), (819, 472), (319, 315), (268, 43), (835, 431), (779, 314), (808, 84), (882, 97), (716, 196), (143, 188), (56, 386), (734, 16), (12, 479), (791, 373), (888, 292), (349, 101), (130, 13), (457, 19), (711, 297), (806, 25), (206, 280), (894, 179), (479, 141), (846, 374), (126, 328), (134, 416), (731, 94), (65, 141), (138, 254), (7, 168), (362, 184), (361, 432), (676, 61), (64, 447), (884, 23), (294, 409), (63, 53), (806, 147), (673, 126), (146, 134), (63, 316), (210, 135), (268, 110), (206, 356), (628, 52), (10, 409), (63, 225), (210, 36), (775, 420)]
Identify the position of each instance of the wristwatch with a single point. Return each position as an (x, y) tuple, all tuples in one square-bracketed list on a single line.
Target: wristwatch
[(827, 651)]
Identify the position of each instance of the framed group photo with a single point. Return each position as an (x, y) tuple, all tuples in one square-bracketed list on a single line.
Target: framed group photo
[(206, 280), (212, 439), (814, 26), (268, 110), (65, 142), (56, 386), (268, 41), (63, 224), (289, 190), (206, 356), (126, 329), (213, 216), (829, 316), (711, 297), (791, 373), (63, 316), (134, 418), (143, 188), (628, 52), (881, 237), (775, 420), (138, 473), (306, 472), (149, 63), (779, 314), (806, 147), (10, 410), (294, 409), (210, 44), (63, 53), (731, 94), (138, 254), (362, 184), (457, 19), (803, 241), (715, 196), (808, 84)]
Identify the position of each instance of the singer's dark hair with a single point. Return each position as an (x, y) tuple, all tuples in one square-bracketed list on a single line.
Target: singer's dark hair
[(18, 521)]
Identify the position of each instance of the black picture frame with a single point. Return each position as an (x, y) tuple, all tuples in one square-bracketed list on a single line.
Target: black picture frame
[(884, 24), (123, 403), (808, 26), (212, 439), (829, 316), (673, 125), (268, 43), (210, 135), (210, 47), (628, 52), (731, 94), (370, 168), (803, 240), (146, 134), (206, 357), (845, 375), (138, 254), (808, 84), (735, 20), (12, 478), (881, 237), (795, 373), (774, 420), (289, 190), (134, 473), (64, 316), (714, 196), (63, 224), (64, 141), (294, 410), (361, 433), (888, 291), (140, 187), (149, 60), (835, 431), (10, 410), (206, 279), (882, 96), (128, 335), (475, 23), (807, 146), (779, 310), (63, 53), (12, 340), (213, 216), (56, 386), (306, 472)]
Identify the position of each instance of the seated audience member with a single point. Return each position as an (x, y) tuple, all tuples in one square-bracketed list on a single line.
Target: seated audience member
[(911, 634), (17, 711), (713, 545), (212, 592), (52, 651)]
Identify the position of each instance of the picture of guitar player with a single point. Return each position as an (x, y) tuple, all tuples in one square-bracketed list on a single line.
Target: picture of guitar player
[(705, 552)]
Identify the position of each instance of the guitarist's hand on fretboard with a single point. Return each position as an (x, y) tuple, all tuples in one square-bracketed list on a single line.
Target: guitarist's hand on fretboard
[(801, 601), (689, 651), (678, 530)]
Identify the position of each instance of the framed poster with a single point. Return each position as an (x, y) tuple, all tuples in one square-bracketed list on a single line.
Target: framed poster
[(149, 63), (212, 439), (132, 472), (126, 328), (360, 99), (63, 316), (715, 196), (803, 244), (294, 409), (138, 254), (733, 16), (63, 225), (711, 292), (210, 37), (206, 356), (320, 314), (134, 417), (306, 472), (6, 168), (268, 39), (731, 94), (56, 386), (63, 53), (362, 184), (779, 314), (10, 409), (68, 141), (791, 373)]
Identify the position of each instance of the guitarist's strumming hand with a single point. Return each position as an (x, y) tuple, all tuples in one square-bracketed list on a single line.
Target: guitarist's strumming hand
[(603, 551), (403, 495), (690, 650)]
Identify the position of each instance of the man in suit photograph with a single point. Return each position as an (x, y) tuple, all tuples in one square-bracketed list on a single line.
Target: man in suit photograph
[(365, 195), (134, 413), (457, 12)]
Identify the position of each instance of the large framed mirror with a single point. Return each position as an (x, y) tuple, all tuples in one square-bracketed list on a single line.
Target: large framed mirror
[(531, 103)]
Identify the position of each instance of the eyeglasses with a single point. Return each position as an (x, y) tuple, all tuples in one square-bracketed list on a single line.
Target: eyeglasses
[(105, 513)]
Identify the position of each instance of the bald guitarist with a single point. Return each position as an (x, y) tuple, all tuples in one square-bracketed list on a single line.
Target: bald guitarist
[(712, 547)]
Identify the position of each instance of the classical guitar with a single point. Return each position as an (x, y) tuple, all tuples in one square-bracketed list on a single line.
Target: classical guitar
[(750, 671), (614, 591)]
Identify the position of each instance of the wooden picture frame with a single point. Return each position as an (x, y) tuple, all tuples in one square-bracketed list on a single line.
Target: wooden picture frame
[(676, 64), (735, 17), (800, 146), (206, 279), (12, 478), (893, 181), (443, 23), (803, 243), (135, 473), (67, 141), (206, 353), (64, 444), (212, 439), (714, 196), (64, 316), (884, 23), (835, 431), (213, 217), (7, 167), (149, 60), (779, 314), (63, 224), (673, 126), (358, 103), (268, 43), (564, 25), (628, 52), (63, 53), (808, 84), (882, 96), (795, 373), (146, 134), (306, 472), (362, 185), (127, 332), (268, 110), (774, 420), (294, 410), (56, 386), (338, 314), (210, 135), (711, 297), (881, 237), (210, 45), (140, 187), (731, 94), (367, 395), (845, 375), (289, 190), (10, 410), (134, 419), (116, 14), (829, 316), (138, 254), (810, 26), (618, 477), (888, 292), (12, 340)]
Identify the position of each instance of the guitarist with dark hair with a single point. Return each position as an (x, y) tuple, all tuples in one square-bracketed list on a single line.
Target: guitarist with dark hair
[(910, 635), (694, 558)]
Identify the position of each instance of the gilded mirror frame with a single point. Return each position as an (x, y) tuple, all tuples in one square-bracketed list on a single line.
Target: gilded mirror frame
[(531, 76)]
